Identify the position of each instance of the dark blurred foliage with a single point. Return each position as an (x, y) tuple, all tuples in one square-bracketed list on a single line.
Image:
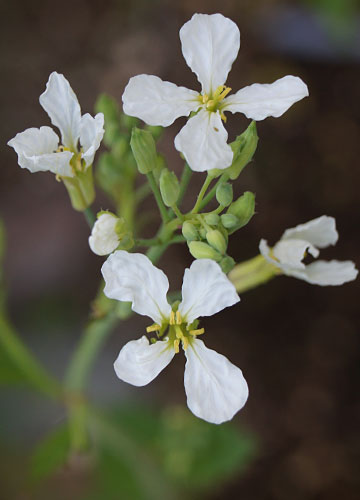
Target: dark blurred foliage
[(297, 344)]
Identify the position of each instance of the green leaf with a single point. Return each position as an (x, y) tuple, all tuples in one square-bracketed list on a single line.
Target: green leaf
[(50, 454)]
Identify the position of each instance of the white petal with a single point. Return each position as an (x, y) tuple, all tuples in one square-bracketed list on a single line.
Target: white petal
[(290, 253), (91, 134), (206, 290), (62, 106), (36, 151), (203, 142), (139, 362), (103, 239), (321, 232), (210, 44), (131, 277), (326, 273), (157, 102), (215, 388), (258, 101)]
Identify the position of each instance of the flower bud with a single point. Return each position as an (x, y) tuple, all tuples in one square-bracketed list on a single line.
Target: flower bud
[(201, 250), (143, 147), (169, 187), (80, 189), (212, 219), (216, 240), (243, 148), (109, 233), (227, 264), (224, 194), (110, 109), (189, 231), (229, 220), (243, 208)]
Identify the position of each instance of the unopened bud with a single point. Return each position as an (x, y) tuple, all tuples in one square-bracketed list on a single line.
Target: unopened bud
[(212, 219), (243, 208), (227, 264), (216, 240), (169, 187), (143, 147), (229, 220), (224, 194), (243, 148), (189, 231), (201, 250)]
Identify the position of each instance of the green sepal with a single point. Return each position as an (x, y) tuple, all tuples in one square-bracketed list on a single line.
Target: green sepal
[(229, 220), (169, 187), (243, 148), (144, 150), (212, 219), (201, 250), (227, 264), (189, 231), (224, 194), (216, 240), (81, 189), (243, 208)]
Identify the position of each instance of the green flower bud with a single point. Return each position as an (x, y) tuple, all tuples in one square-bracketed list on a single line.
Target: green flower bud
[(243, 148), (189, 231), (169, 187), (243, 208), (81, 189), (155, 130), (229, 220), (201, 250), (202, 232), (109, 107), (143, 147), (212, 219), (224, 194), (227, 264), (216, 240)]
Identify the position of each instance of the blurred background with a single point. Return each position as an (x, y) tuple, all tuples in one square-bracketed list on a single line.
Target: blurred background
[(298, 345)]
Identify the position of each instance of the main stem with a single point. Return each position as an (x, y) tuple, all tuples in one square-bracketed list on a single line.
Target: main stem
[(201, 195)]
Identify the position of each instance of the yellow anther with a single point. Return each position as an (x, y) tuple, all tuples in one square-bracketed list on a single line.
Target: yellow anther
[(178, 318), (185, 342), (224, 93), (153, 328), (204, 98), (179, 333), (223, 117), (172, 318), (197, 332), (176, 345), (58, 177)]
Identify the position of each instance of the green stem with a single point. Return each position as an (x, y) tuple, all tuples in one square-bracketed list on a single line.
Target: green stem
[(252, 273), (184, 181), (147, 242), (89, 216), (212, 191), (158, 198), (200, 197), (26, 363), (177, 212)]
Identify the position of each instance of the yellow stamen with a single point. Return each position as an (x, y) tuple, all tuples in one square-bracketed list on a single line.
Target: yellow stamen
[(223, 117), (200, 331), (172, 318), (178, 318), (224, 93), (185, 342), (176, 345), (179, 333), (204, 98), (58, 177), (153, 328)]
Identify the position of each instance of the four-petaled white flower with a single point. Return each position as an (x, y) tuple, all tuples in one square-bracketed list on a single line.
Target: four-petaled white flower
[(104, 239), (210, 44), (293, 246), (215, 388), (39, 150)]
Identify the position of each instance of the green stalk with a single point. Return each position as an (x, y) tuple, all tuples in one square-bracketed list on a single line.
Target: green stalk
[(252, 273), (201, 194), (34, 372), (184, 182), (158, 198), (212, 191)]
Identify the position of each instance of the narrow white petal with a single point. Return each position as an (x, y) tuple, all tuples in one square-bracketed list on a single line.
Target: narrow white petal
[(206, 290), (36, 148), (210, 44), (215, 388), (157, 102), (290, 253), (327, 273), (258, 101), (62, 106), (203, 142), (131, 277), (103, 239), (91, 134), (139, 362), (321, 232)]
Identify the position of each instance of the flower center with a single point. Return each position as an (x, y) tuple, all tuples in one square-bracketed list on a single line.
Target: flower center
[(212, 102), (179, 331)]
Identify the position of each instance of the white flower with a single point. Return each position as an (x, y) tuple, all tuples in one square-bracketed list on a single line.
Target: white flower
[(293, 246), (39, 149), (210, 44), (104, 239), (215, 388)]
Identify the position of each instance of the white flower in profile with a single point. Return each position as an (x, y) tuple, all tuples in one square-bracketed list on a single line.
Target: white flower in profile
[(295, 243), (39, 149), (210, 44), (215, 388), (104, 238)]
